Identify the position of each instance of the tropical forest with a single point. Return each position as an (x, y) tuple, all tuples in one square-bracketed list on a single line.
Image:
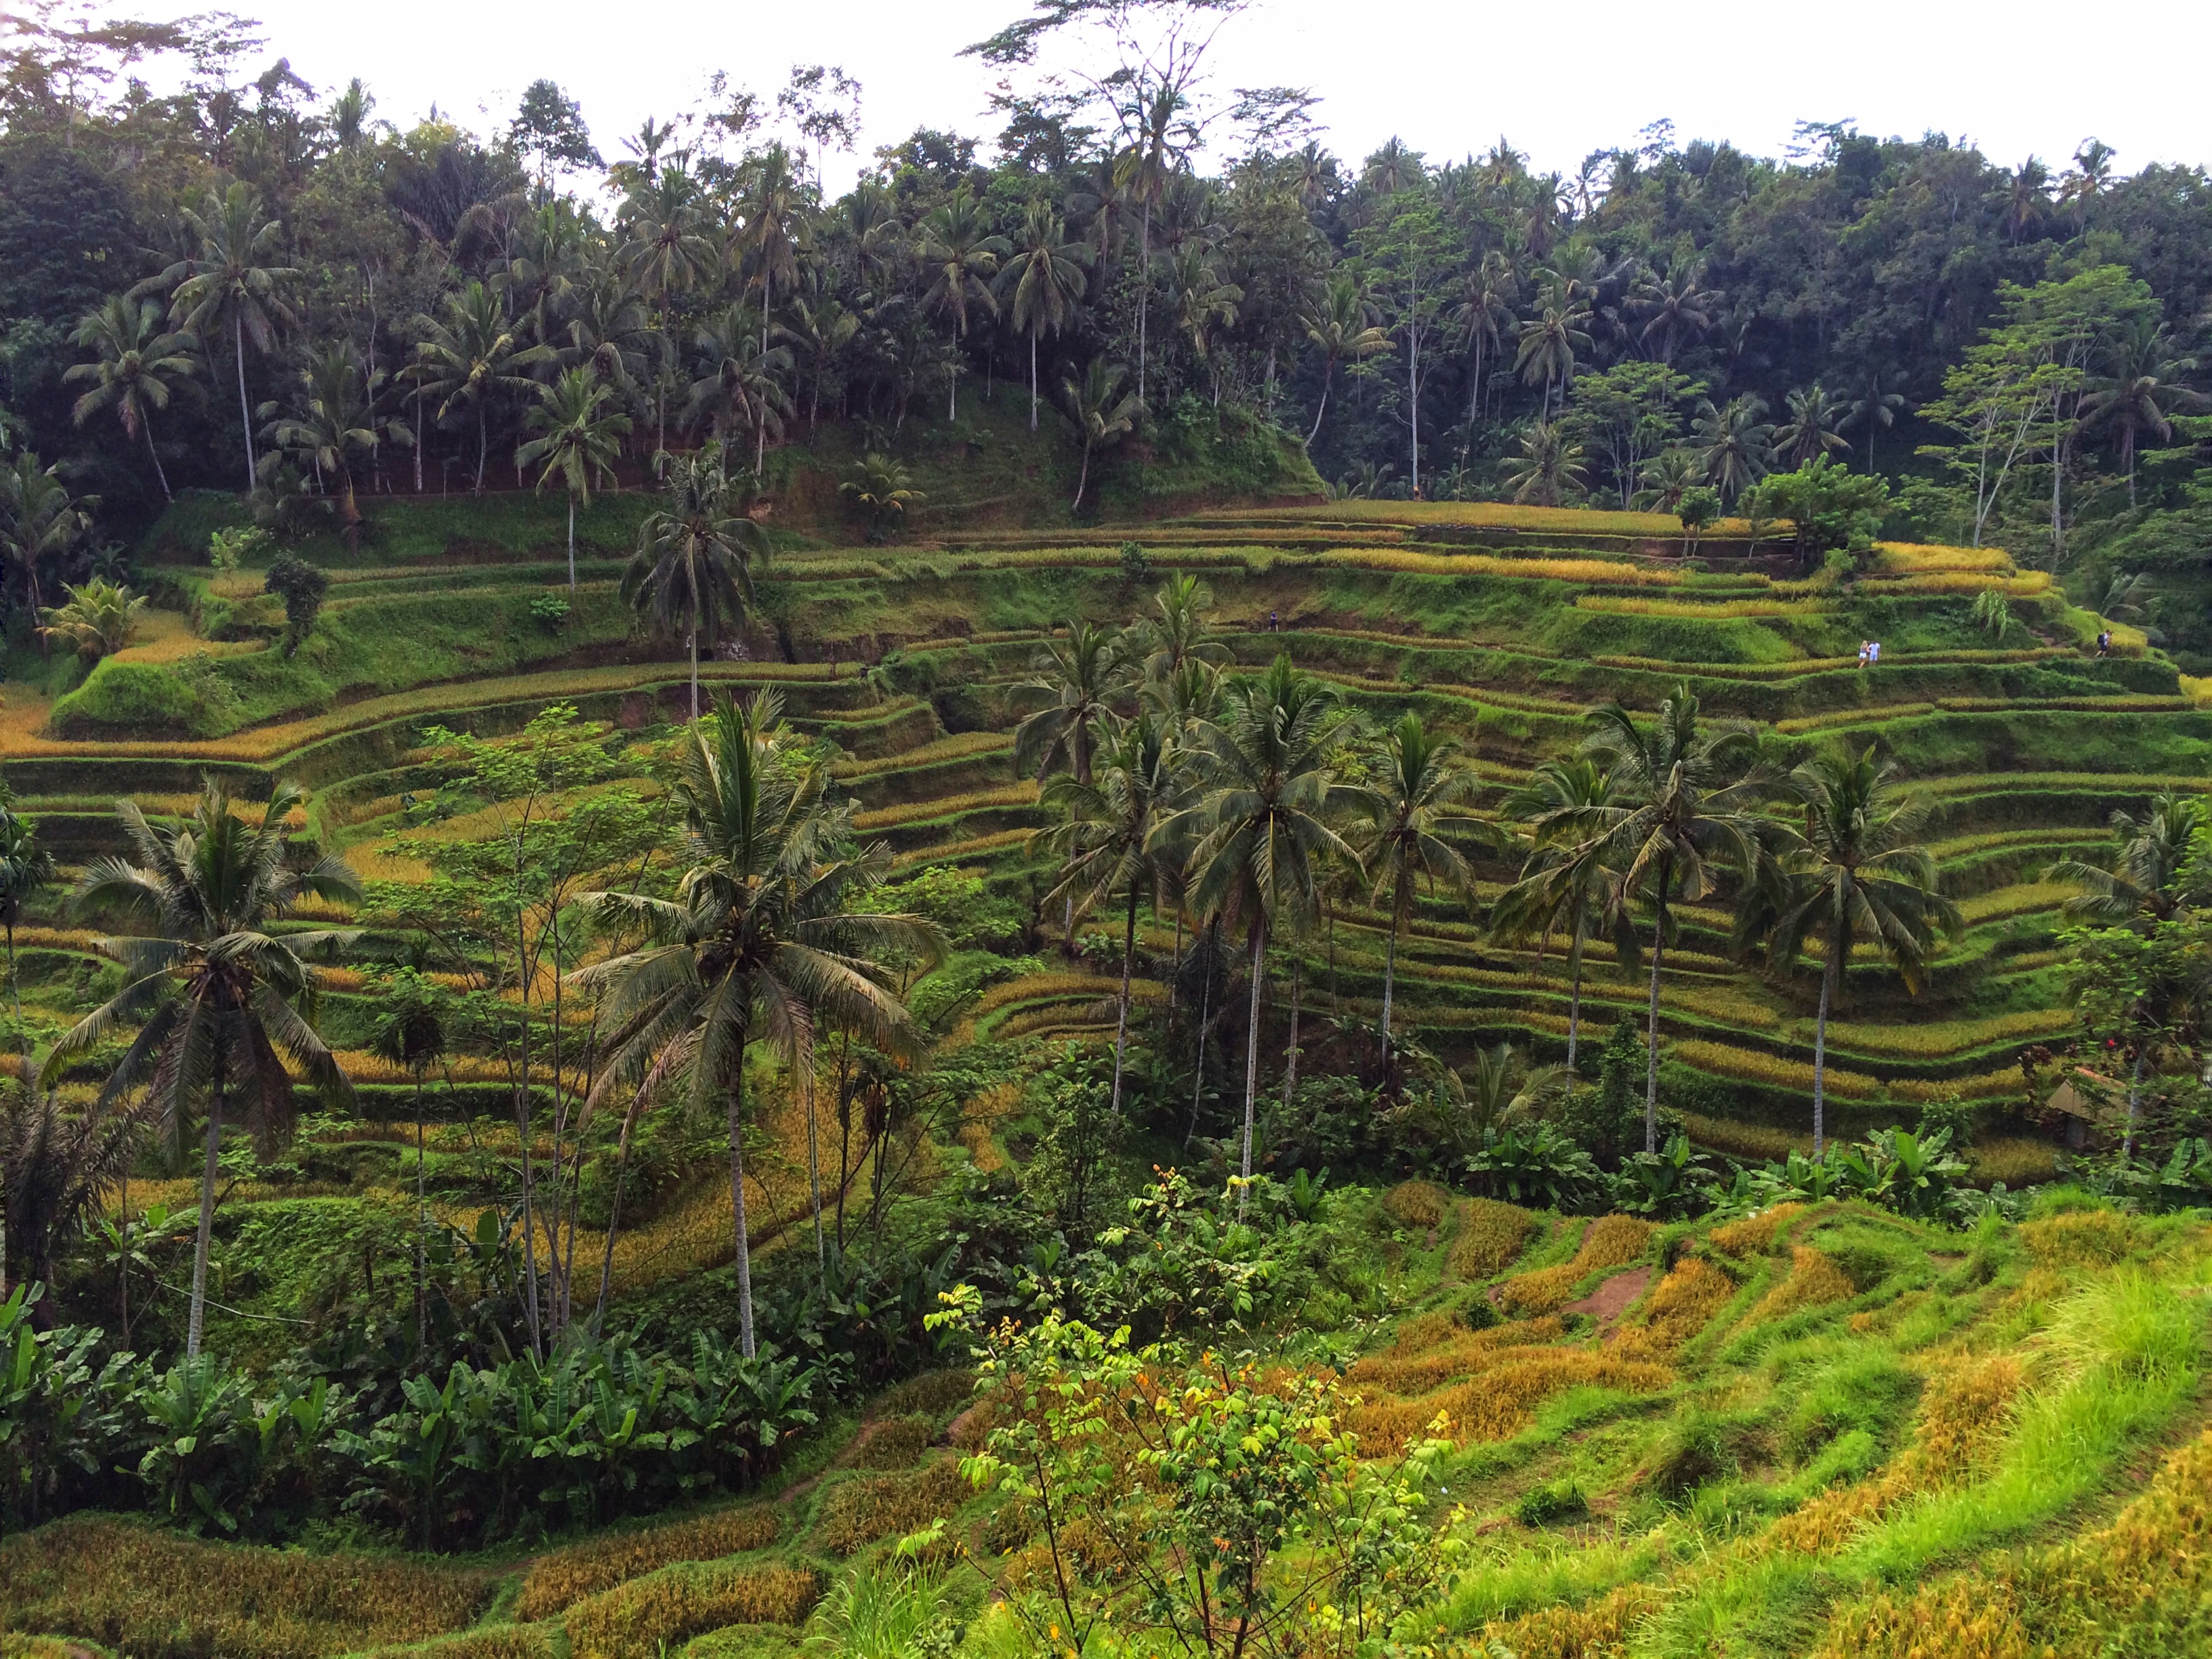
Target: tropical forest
[(1095, 887)]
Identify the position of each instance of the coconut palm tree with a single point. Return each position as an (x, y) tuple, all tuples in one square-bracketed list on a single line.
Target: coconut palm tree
[(1666, 479), (1046, 276), (667, 250), (1077, 678), (1568, 884), (1547, 467), (335, 421), (40, 519), (1872, 405), (1548, 344), (1812, 428), (1686, 798), (1342, 328), (1408, 815), (231, 286), (2150, 856), (2139, 389), (1734, 444), (763, 940), (1483, 318), (27, 870), (959, 254), (577, 437), (1175, 633), (1102, 411), (693, 569), (474, 354), (1205, 302), (213, 993), (1676, 308), (1857, 873), (744, 385), (1260, 828), (1104, 838), (137, 368)]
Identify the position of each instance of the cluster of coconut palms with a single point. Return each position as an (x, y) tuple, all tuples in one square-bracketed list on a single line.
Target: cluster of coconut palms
[(1252, 803)]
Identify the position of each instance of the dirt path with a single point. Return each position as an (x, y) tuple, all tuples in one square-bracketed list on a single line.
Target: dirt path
[(1612, 1299)]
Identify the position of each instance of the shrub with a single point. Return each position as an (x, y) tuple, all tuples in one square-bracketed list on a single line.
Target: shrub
[(684, 1600), (562, 1577), (1815, 1280), (1500, 1403), (300, 585), (933, 1392), (159, 1595), (1492, 1236), (1564, 1632), (1562, 1500), (1418, 1205), (859, 1511), (502, 1642)]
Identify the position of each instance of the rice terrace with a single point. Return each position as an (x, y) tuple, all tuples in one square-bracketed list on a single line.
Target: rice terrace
[(1142, 892)]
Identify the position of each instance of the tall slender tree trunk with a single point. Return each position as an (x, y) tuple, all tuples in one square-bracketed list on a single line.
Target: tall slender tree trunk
[(1083, 479), (167, 495), (1121, 1019), (483, 442), (2135, 1095), (695, 667), (1291, 1049), (418, 442), (738, 1207), (522, 1119), (1198, 1070), (804, 1065), (196, 1319), (245, 410), (1821, 1053), (1144, 291), (1390, 968), (1652, 1029), (1574, 997), (614, 1218), (1033, 389), (1252, 1061), (422, 1220), (1326, 380), (572, 541)]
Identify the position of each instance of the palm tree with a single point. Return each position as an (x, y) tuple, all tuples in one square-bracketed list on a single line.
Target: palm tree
[(1733, 444), (821, 328), (1102, 411), (883, 488), (230, 286), (744, 385), (1342, 326), (214, 993), (1548, 342), (27, 870), (1812, 428), (692, 571), (1047, 275), (1672, 474), (2153, 880), (1859, 873), (1411, 809), (1484, 318), (137, 368), (1676, 308), (1873, 406), (1547, 467), (666, 251), (334, 423), (474, 354), (762, 941), (40, 519), (410, 1032), (1105, 837), (577, 437), (99, 619), (1079, 679), (2151, 860), (1260, 828), (1205, 303), (1175, 633), (958, 253), (771, 233), (2140, 389), (1159, 129), (1686, 805), (1567, 885)]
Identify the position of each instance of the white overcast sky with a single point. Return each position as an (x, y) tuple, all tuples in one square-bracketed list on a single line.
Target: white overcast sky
[(1447, 76)]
